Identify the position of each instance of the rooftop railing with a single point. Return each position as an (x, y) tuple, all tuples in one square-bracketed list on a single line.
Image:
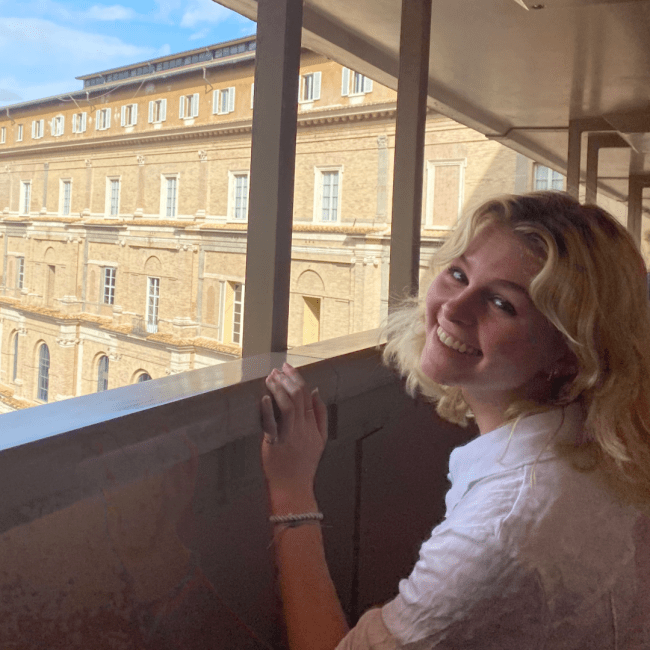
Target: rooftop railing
[(136, 517)]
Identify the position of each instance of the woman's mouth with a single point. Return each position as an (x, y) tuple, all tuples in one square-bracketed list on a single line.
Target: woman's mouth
[(457, 345)]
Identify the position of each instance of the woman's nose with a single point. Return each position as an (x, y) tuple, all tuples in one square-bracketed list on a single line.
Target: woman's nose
[(461, 308)]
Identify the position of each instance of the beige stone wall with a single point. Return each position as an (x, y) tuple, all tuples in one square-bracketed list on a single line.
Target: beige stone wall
[(339, 269)]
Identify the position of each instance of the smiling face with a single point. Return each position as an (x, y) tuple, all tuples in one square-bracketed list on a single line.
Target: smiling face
[(483, 332)]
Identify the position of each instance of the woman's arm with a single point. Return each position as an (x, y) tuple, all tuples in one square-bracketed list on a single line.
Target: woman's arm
[(290, 456)]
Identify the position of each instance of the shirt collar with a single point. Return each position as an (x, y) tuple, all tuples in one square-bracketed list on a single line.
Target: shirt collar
[(503, 449)]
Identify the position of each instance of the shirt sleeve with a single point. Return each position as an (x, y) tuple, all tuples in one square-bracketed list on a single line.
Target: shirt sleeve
[(369, 633), (468, 588)]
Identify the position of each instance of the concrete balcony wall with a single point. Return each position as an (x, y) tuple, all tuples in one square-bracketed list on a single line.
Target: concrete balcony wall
[(136, 517)]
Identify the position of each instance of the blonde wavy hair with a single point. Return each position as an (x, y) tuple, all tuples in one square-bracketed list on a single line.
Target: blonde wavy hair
[(592, 287)]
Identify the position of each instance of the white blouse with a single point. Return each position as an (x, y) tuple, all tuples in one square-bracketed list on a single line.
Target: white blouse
[(532, 554)]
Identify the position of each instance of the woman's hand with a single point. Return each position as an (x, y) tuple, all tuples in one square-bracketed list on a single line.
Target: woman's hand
[(292, 447)]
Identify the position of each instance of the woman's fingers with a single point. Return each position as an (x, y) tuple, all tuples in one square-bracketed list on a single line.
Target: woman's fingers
[(269, 425), (320, 413)]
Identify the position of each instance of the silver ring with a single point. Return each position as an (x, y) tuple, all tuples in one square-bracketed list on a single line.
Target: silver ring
[(270, 440)]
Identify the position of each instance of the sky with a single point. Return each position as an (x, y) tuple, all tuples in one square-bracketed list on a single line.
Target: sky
[(45, 44)]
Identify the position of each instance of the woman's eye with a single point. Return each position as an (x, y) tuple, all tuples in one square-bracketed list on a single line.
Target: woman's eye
[(457, 274), (503, 305)]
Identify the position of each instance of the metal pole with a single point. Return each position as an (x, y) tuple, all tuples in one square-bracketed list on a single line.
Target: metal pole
[(409, 149), (573, 159), (593, 148), (275, 115), (635, 207)]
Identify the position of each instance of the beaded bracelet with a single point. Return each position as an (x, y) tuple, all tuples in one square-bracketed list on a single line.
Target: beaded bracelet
[(292, 521)]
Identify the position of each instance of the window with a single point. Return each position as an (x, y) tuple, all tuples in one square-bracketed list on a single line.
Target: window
[(222, 310), (445, 192), (79, 121), (170, 196), (3, 135), (237, 312), (153, 297), (327, 195), (157, 111), (103, 119), (360, 85), (310, 87), (20, 272), (189, 106), (19, 137), (43, 373), (238, 198), (548, 179), (57, 125), (15, 367), (102, 374), (66, 191), (25, 196), (145, 376), (108, 292), (130, 115), (223, 101), (38, 127), (113, 196)]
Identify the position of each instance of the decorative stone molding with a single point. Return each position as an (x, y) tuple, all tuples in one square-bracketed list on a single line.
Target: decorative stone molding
[(67, 343), (89, 163), (114, 356), (141, 160), (203, 156)]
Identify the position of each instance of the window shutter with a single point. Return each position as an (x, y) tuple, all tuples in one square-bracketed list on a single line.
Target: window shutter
[(83, 122), (150, 111), (108, 118), (163, 110), (181, 108), (42, 129), (53, 126), (61, 125), (231, 99), (97, 114), (123, 116), (134, 114), (367, 85), (317, 76), (215, 102), (33, 129), (195, 105), (74, 123), (345, 82), (252, 94)]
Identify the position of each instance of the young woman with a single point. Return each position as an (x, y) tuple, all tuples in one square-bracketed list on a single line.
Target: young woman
[(536, 324)]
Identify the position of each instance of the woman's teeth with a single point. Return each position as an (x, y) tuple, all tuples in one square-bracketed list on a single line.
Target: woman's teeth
[(455, 344)]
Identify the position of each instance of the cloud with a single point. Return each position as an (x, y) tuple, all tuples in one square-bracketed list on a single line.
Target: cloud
[(200, 12), (110, 13), (202, 34), (33, 37), (8, 96)]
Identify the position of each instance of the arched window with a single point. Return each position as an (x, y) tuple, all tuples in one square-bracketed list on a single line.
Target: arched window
[(43, 372), (15, 346), (144, 377), (102, 374)]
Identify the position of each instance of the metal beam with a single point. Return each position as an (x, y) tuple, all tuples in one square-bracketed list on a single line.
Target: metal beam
[(268, 255), (635, 204), (596, 142), (409, 149)]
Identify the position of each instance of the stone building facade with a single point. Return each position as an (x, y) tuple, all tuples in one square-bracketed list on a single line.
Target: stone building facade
[(123, 216)]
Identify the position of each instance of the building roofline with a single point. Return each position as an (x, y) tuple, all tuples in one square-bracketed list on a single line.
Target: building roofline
[(168, 57), (104, 89)]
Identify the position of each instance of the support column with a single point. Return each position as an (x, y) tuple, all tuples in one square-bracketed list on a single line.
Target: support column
[(593, 149), (409, 150), (273, 157), (140, 190), (46, 169), (635, 206), (573, 159)]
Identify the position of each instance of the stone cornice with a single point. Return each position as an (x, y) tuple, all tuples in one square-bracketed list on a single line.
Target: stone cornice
[(363, 112)]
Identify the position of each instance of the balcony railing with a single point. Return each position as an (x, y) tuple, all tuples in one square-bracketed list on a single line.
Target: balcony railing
[(136, 517), (141, 326)]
